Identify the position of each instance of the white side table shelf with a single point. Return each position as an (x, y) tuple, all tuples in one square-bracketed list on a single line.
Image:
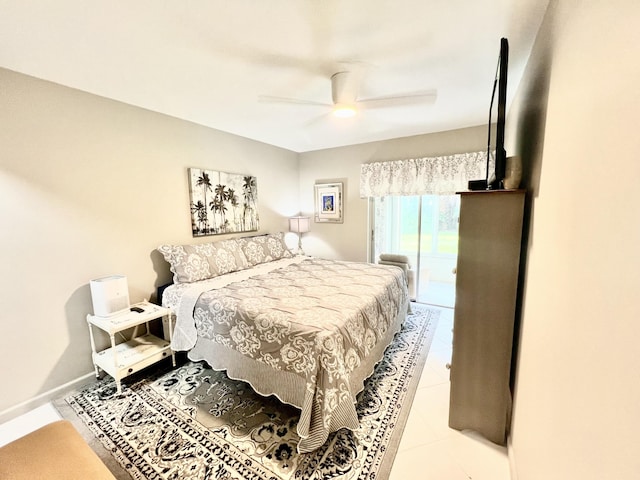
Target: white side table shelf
[(123, 359)]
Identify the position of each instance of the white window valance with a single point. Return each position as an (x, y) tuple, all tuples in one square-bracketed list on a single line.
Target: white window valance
[(423, 176)]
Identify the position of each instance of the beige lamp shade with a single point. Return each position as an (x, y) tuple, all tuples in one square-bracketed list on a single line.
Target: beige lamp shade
[(299, 224)]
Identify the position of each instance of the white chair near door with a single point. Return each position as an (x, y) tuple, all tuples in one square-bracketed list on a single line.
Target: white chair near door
[(401, 261)]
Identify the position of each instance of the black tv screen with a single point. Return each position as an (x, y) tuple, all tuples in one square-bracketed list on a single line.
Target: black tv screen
[(501, 154)]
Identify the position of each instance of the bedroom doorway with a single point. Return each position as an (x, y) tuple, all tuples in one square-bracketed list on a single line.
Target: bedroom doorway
[(425, 229)]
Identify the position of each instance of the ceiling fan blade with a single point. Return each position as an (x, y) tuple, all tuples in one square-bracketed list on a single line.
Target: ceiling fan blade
[(317, 120), (409, 99), (296, 101)]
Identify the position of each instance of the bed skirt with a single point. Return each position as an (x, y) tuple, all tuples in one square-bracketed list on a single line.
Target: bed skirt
[(292, 389)]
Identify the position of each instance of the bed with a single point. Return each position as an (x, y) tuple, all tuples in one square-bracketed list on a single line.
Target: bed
[(306, 330)]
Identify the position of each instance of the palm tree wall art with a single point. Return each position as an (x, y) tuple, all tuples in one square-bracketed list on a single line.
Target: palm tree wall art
[(222, 202)]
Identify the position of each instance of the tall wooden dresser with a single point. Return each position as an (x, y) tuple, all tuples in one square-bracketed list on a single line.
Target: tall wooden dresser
[(490, 234)]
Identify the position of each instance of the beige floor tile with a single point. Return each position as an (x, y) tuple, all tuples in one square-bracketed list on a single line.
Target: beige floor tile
[(430, 450), (416, 432), (433, 376), (430, 462), (478, 457)]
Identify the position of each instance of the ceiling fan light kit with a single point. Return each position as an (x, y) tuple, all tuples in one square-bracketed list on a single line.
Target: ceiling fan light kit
[(343, 94), (344, 111), (345, 101)]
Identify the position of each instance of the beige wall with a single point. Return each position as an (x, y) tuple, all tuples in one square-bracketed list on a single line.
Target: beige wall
[(349, 241), (575, 122), (89, 187)]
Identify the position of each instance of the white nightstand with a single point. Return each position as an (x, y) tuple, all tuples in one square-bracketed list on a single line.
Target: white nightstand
[(123, 359)]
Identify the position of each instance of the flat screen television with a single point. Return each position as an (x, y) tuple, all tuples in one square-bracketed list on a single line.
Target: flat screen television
[(494, 180), (501, 154)]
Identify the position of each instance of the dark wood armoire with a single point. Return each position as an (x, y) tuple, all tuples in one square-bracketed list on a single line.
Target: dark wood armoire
[(490, 235)]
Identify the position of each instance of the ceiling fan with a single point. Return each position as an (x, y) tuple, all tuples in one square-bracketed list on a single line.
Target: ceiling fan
[(346, 103)]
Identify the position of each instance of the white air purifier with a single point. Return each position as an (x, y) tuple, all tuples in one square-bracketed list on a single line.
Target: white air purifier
[(110, 295)]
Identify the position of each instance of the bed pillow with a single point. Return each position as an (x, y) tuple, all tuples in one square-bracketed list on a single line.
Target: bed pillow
[(227, 256), (189, 263), (264, 248)]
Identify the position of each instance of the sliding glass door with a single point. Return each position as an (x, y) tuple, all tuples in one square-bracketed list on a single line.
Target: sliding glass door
[(425, 229)]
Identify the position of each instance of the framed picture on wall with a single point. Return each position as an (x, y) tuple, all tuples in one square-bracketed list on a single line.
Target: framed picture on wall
[(222, 202), (328, 202)]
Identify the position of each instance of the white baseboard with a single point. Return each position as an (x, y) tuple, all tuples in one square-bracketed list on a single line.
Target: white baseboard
[(35, 402)]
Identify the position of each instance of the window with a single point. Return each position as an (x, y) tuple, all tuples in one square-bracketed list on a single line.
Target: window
[(425, 229)]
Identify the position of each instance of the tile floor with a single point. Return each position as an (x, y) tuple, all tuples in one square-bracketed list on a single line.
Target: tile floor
[(429, 449), (442, 294)]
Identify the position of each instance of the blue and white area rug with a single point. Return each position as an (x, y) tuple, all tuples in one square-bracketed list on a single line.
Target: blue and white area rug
[(195, 423)]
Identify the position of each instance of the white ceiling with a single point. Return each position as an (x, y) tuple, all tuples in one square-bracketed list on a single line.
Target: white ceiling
[(208, 61)]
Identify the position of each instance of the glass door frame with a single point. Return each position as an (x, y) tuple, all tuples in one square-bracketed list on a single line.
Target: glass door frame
[(433, 248)]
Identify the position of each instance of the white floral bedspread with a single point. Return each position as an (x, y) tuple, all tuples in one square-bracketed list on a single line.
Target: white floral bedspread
[(320, 321)]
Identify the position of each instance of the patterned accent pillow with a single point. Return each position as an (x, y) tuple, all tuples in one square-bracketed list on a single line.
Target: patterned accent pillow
[(227, 256), (264, 248), (188, 262)]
